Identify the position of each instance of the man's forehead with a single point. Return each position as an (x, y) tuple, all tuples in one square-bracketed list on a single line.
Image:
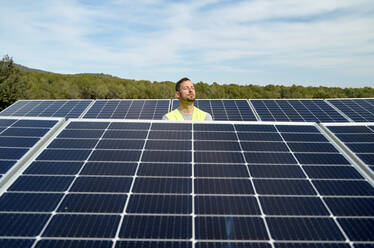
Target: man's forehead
[(186, 83)]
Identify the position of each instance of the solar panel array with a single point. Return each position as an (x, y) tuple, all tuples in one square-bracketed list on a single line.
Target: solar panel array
[(163, 184), (359, 139), (47, 108), (128, 109), (17, 137), (296, 110), (224, 110), (359, 110)]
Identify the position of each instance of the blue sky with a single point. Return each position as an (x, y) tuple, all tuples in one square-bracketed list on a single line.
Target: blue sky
[(284, 42)]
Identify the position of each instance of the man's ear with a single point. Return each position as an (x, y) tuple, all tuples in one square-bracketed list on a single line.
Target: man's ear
[(177, 94)]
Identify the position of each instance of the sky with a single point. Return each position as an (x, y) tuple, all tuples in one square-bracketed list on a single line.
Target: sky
[(282, 42)]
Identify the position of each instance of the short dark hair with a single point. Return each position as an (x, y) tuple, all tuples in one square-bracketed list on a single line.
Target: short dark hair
[(177, 86)]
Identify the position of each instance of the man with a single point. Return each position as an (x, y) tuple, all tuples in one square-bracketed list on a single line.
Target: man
[(185, 92)]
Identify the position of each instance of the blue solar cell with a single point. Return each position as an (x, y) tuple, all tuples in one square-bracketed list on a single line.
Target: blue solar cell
[(169, 227), (216, 146), (170, 170), (6, 122), (90, 226), (293, 206), (297, 129), (168, 145), (336, 188), (29, 202), (101, 184), (269, 158), (230, 228), (349, 129), (254, 128), (367, 158), (115, 155), (5, 166), (320, 158), (276, 171), (304, 137), (153, 244), (21, 243), (25, 225), (54, 168), (356, 137), (223, 186), (311, 245), (24, 132), (17, 142), (358, 229), (93, 203), (103, 168), (338, 172), (34, 123), (53, 243), (170, 135), (12, 153), (351, 206), (214, 127), (259, 136), (365, 147), (171, 126), (162, 185), (264, 146), (218, 157), (283, 187), (231, 245), (304, 229), (120, 144), (226, 205), (87, 125), (166, 156), (312, 147), (214, 136), (220, 170), (41, 183), (73, 143), (129, 125), (55, 154), (80, 134), (160, 204), (124, 134)]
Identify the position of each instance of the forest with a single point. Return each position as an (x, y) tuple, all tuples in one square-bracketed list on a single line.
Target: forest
[(19, 82)]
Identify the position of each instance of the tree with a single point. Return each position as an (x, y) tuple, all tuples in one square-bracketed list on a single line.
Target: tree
[(11, 86)]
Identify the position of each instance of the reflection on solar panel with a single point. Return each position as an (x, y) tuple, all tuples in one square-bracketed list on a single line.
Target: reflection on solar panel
[(359, 138), (296, 110), (47, 108), (359, 110), (17, 137), (224, 110), (165, 184), (128, 109)]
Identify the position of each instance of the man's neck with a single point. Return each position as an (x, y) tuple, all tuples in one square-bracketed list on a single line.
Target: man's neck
[(186, 108)]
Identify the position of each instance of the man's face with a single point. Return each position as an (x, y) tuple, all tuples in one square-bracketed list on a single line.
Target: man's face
[(186, 91)]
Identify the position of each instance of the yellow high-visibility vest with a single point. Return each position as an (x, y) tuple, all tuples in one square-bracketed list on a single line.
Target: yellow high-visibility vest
[(197, 115)]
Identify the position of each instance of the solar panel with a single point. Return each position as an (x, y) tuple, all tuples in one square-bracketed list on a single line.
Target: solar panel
[(359, 110), (306, 110), (224, 109), (128, 109), (208, 186), (359, 138), (18, 136), (47, 108)]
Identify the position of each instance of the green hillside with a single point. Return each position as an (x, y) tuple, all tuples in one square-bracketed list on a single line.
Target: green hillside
[(19, 82)]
